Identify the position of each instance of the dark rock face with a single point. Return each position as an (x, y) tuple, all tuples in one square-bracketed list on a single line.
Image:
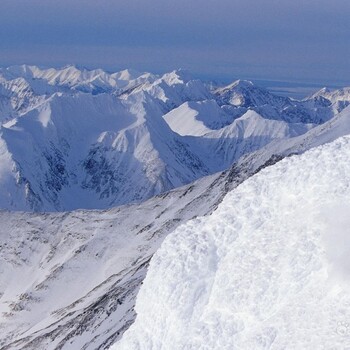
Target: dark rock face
[(102, 177)]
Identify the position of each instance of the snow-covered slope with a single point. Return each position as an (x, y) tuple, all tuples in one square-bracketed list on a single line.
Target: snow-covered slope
[(93, 152), (243, 94), (75, 138), (59, 162), (196, 118), (322, 134), (269, 269), (24, 87), (100, 257), (72, 78), (70, 280), (335, 95), (340, 98)]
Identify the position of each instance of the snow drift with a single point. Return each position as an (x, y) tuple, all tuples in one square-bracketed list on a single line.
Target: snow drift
[(269, 269)]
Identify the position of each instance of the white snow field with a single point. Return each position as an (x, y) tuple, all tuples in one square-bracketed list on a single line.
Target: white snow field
[(269, 269)]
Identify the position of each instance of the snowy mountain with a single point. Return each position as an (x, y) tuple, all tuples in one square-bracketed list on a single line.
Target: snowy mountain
[(44, 81), (321, 134), (101, 257), (244, 94), (269, 269), (70, 280), (339, 98), (335, 95), (75, 138)]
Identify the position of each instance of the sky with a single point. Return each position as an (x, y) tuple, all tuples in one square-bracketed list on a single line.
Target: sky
[(304, 41)]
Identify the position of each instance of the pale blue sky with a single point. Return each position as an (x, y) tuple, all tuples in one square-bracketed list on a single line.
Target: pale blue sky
[(292, 40)]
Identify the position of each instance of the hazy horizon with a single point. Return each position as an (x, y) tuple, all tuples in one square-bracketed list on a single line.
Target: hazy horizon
[(299, 42)]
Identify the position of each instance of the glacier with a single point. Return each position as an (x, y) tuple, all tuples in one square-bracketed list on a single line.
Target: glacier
[(269, 269)]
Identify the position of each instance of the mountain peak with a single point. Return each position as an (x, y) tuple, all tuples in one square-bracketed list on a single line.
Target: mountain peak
[(321, 92), (178, 76), (241, 83), (236, 85), (127, 74)]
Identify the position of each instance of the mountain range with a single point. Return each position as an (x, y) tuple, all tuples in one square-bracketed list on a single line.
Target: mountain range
[(100, 171), (86, 139)]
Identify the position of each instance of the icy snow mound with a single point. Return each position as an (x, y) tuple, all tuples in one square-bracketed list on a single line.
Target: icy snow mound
[(269, 269)]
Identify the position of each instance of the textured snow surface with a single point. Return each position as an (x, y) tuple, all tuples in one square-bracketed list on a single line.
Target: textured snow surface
[(269, 269), (70, 280)]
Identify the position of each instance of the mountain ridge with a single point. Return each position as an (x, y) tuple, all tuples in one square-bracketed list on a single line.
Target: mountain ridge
[(116, 138), (146, 142)]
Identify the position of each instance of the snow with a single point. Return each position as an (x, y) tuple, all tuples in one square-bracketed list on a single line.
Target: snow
[(269, 269), (72, 76), (197, 118), (245, 95), (70, 279), (74, 138), (94, 151), (335, 95), (78, 138), (336, 237)]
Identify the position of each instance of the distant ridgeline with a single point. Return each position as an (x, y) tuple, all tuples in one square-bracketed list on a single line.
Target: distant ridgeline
[(73, 138)]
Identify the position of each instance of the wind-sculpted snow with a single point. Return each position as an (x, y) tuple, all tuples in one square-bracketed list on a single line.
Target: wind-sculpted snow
[(269, 269)]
